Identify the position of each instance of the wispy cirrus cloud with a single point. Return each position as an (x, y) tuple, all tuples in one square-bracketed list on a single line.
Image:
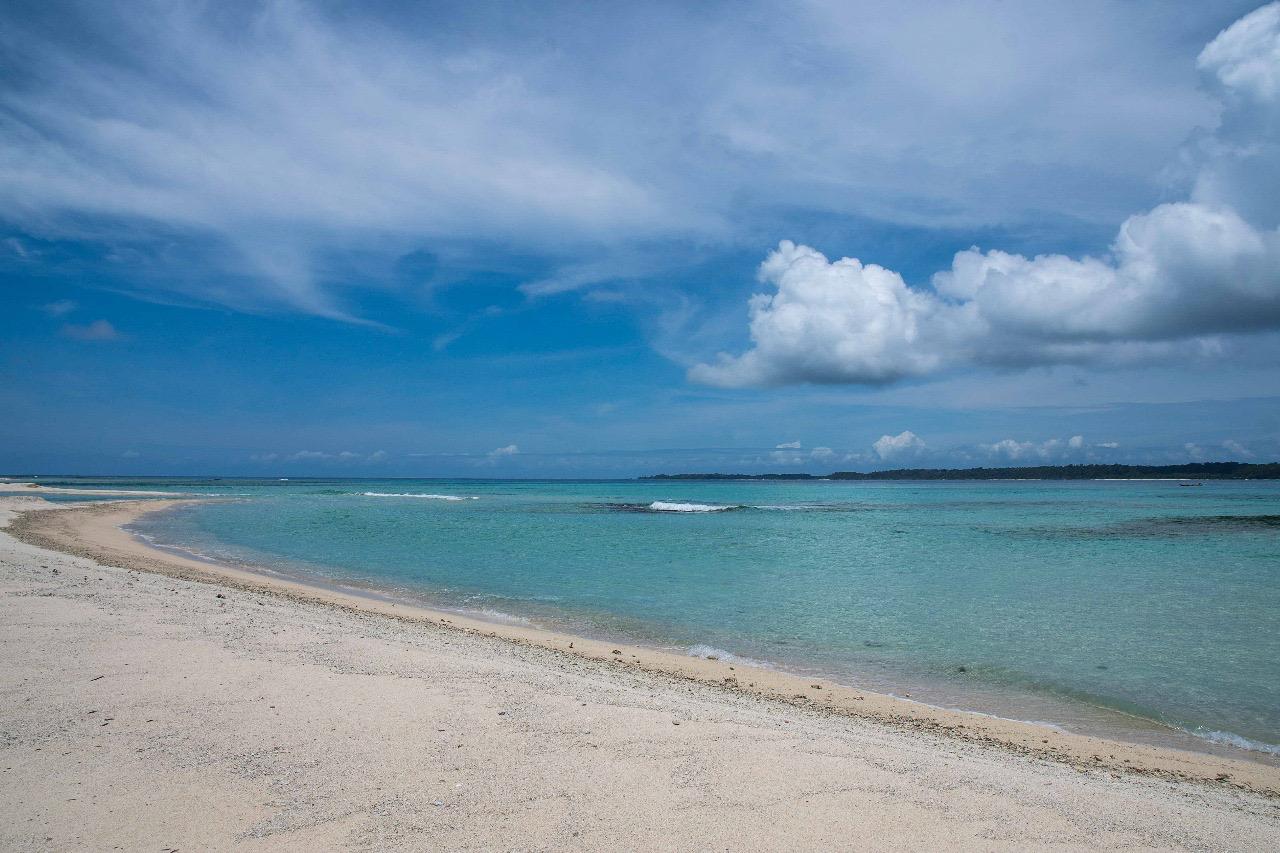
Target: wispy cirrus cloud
[(232, 153)]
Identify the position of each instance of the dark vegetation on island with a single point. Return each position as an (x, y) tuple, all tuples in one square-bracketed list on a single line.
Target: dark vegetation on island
[(1190, 471)]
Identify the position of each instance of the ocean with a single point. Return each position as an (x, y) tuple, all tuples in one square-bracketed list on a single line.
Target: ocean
[(1140, 610)]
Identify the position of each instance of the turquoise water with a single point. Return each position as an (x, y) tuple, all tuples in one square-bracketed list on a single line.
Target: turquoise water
[(1134, 609)]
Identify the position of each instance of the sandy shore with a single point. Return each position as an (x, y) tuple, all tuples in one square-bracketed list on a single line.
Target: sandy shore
[(8, 487), (152, 701)]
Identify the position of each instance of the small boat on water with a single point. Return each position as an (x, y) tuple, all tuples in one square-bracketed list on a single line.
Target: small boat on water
[(1190, 484)]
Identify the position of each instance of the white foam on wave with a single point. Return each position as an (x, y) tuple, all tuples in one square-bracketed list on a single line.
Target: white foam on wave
[(1230, 739), (712, 653), (672, 506), (415, 495), (488, 614)]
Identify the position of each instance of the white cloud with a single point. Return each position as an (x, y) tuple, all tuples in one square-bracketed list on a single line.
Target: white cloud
[(1176, 275), (822, 453), (288, 134), (347, 456), (1180, 270), (509, 450), (905, 443), (59, 308), (788, 445), (309, 455), (1246, 56), (284, 132), (98, 330), (1051, 450), (1235, 448), (1012, 450), (841, 322)]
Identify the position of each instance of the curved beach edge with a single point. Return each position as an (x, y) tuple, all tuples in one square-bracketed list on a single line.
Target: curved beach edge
[(95, 532)]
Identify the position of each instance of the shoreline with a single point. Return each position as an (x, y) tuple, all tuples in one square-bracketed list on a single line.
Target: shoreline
[(1080, 716), (94, 531)]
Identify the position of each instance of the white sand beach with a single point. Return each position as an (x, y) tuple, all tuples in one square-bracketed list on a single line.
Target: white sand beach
[(151, 702)]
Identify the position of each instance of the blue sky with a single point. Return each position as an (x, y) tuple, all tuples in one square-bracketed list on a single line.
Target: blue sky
[(610, 239)]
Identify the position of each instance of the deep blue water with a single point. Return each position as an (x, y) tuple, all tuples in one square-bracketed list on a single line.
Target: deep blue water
[(1076, 603)]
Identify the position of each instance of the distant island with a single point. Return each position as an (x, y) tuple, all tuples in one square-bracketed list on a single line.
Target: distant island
[(1190, 471)]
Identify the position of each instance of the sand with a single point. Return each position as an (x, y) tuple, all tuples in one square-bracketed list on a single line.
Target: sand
[(8, 488), (152, 702)]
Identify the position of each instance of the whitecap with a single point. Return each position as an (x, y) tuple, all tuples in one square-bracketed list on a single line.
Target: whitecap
[(672, 506), (415, 495)]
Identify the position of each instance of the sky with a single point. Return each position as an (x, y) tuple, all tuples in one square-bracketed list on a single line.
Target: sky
[(603, 239)]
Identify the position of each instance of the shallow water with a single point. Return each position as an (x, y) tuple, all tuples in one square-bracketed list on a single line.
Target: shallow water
[(1117, 608)]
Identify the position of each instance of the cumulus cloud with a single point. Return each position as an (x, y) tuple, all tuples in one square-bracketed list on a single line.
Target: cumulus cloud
[(1073, 449), (1235, 448), (788, 445), (97, 331), (1245, 58), (495, 456), (309, 455), (904, 444), (841, 322), (1176, 276), (1019, 450)]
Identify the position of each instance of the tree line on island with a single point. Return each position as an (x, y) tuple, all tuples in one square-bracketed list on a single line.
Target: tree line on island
[(1189, 471)]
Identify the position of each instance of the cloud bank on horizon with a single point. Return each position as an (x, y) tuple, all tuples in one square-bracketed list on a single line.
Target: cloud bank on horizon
[(1179, 278)]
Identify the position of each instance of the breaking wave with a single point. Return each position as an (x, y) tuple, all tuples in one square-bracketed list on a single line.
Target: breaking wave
[(689, 506), (712, 653), (673, 506), (1235, 740), (669, 506), (414, 495)]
